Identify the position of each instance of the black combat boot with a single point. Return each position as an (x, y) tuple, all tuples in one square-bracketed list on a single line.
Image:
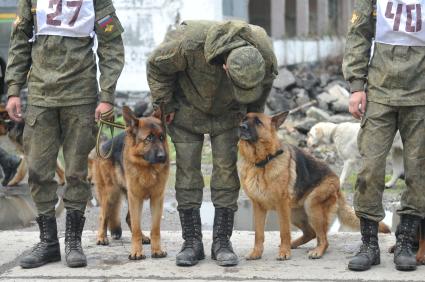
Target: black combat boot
[(192, 250), (9, 163), (404, 257), (74, 254), (221, 249), (47, 250), (369, 253)]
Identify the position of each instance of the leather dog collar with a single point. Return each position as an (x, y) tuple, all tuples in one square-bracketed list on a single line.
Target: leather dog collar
[(269, 158)]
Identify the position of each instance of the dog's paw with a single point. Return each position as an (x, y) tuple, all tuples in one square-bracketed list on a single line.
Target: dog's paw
[(102, 241), (254, 255), (420, 260), (116, 233), (159, 254), (284, 255), (315, 254), (136, 255), (146, 240)]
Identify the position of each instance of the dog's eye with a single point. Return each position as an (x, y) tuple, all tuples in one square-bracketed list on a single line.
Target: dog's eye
[(257, 121), (161, 138), (150, 138)]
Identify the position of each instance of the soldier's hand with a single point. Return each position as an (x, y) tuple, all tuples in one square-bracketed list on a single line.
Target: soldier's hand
[(357, 104), (13, 108), (103, 107), (170, 117)]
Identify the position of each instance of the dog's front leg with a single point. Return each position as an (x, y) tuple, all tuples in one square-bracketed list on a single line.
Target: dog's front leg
[(259, 222), (284, 214), (420, 255), (135, 208), (157, 204)]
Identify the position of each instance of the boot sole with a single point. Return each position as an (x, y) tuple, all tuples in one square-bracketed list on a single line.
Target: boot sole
[(34, 265), (405, 267), (189, 262), (225, 262), (79, 264), (358, 267)]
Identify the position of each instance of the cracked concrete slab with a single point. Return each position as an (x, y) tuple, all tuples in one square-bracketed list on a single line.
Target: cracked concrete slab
[(110, 263)]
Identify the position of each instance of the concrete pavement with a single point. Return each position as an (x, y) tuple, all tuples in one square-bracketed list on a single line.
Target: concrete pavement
[(110, 263)]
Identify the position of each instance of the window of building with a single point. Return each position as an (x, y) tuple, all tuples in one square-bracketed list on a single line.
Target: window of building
[(260, 14), (290, 18)]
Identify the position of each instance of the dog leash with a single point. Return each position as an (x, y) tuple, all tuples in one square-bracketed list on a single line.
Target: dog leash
[(107, 119)]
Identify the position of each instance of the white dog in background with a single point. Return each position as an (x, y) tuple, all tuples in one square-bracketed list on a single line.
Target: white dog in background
[(344, 136)]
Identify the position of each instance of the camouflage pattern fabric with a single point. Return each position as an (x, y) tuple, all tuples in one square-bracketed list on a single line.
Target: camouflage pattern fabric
[(46, 130), (61, 71), (184, 69), (189, 181), (393, 76), (378, 129)]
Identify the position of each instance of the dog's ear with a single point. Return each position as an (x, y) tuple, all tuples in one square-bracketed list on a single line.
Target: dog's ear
[(157, 113), (319, 133), (130, 119), (278, 119)]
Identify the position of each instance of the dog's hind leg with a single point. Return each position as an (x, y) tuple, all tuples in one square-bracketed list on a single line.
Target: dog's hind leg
[(420, 255), (157, 204), (300, 220), (320, 204), (346, 168), (398, 166), (259, 222)]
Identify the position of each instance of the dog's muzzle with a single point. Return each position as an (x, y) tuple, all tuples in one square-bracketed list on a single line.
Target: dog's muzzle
[(245, 133)]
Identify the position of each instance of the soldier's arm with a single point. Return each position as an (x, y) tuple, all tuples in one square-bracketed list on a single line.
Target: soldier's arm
[(162, 69), (19, 58), (358, 46), (110, 49)]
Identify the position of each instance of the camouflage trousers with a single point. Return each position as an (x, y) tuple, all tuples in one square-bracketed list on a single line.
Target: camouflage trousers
[(375, 138), (188, 143), (46, 130)]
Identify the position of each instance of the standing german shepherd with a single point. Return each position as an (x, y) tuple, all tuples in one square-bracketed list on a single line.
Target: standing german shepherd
[(138, 168), (281, 177)]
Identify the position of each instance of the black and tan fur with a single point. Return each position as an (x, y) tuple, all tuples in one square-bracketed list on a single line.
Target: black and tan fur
[(15, 132), (303, 191), (138, 168)]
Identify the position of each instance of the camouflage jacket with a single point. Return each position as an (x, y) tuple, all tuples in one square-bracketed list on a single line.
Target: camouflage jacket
[(61, 71), (181, 71), (393, 74)]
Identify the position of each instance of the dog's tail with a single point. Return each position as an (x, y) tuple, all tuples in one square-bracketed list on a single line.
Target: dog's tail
[(21, 171), (347, 216)]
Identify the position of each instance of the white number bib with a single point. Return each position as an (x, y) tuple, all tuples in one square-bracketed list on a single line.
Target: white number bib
[(73, 18), (400, 22)]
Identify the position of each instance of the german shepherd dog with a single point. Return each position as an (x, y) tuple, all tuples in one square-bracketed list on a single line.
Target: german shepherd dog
[(137, 168), (304, 191)]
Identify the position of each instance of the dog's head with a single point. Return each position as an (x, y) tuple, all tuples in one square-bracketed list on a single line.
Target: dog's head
[(16, 132), (148, 135), (258, 127), (315, 135)]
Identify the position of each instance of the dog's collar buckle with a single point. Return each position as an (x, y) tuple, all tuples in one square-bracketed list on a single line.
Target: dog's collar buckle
[(268, 159)]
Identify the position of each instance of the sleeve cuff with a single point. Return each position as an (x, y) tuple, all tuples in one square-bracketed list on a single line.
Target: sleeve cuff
[(357, 85), (106, 97), (14, 90)]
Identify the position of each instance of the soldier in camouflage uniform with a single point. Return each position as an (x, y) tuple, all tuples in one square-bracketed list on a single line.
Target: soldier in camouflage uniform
[(388, 94), (208, 75), (51, 50)]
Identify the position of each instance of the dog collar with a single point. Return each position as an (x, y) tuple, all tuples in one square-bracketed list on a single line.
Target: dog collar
[(269, 158)]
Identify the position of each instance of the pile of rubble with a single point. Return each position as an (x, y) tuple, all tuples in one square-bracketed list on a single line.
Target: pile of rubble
[(320, 84)]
